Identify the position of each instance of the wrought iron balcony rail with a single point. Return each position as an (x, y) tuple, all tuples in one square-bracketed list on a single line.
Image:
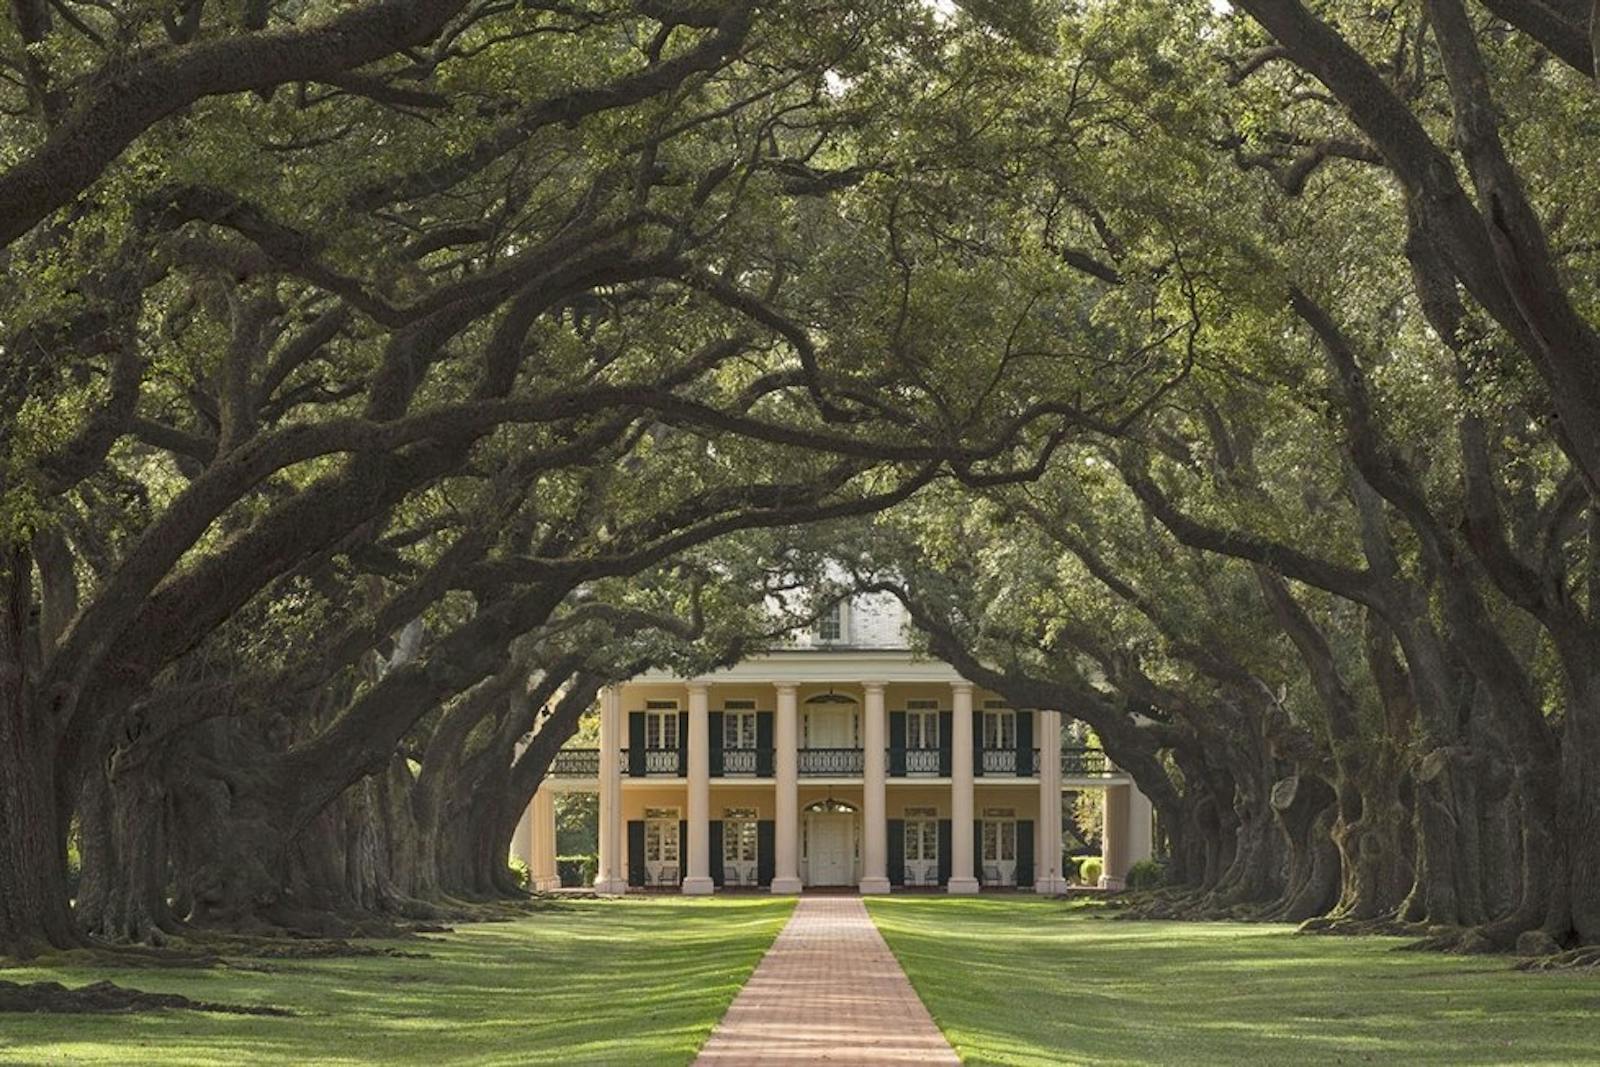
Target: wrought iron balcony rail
[(739, 760), (999, 761), (838, 762), (922, 761), (1084, 761), (662, 761), (576, 763)]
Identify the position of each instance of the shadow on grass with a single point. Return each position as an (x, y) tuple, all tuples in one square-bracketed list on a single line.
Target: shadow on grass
[(1038, 982), (601, 982)]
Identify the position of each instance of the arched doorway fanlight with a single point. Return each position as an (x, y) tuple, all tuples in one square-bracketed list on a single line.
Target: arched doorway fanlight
[(830, 806)]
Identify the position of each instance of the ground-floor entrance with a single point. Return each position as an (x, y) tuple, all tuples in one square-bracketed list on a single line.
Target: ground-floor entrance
[(829, 844)]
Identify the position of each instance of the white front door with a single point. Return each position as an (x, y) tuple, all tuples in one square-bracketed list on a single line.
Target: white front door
[(830, 845)]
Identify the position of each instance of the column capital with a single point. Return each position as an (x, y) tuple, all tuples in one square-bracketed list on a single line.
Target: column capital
[(698, 687), (786, 688), (961, 685), (874, 687)]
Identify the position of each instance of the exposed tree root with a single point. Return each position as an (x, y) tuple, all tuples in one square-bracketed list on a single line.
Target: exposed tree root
[(108, 998), (1586, 958)]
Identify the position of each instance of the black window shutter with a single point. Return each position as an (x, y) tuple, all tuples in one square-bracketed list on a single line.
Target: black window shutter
[(897, 744), (766, 851), (1024, 852), (897, 852), (635, 744), (714, 719), (683, 849), (1024, 744), (977, 744), (636, 852), (718, 874), (944, 851), (683, 743), (947, 721), (764, 744)]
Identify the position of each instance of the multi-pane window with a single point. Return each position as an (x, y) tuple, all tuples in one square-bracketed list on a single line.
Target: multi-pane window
[(661, 835), (999, 835), (661, 724), (922, 724), (739, 724), (922, 835), (830, 624), (999, 726), (739, 835)]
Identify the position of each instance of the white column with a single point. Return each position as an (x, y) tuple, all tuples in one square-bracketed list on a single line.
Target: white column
[(875, 809), (522, 839), (1141, 827), (542, 874), (1049, 878), (698, 878), (786, 806), (613, 874), (961, 868), (1114, 839)]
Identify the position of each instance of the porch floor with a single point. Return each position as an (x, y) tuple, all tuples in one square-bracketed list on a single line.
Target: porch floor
[(829, 991)]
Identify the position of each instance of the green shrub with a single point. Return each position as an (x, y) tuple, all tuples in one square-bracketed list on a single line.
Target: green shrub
[(578, 870), (520, 871), (1089, 870), (1147, 874)]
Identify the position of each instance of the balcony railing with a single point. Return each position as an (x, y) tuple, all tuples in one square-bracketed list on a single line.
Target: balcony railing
[(661, 761), (1000, 761), (834, 762), (1084, 761), (739, 761), (576, 763), (922, 761)]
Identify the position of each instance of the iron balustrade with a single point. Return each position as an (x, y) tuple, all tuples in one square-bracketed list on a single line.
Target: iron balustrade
[(661, 761), (922, 761), (1084, 761), (999, 761), (841, 762), (739, 761), (576, 763)]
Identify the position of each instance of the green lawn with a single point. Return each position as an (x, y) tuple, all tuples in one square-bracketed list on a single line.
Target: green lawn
[(602, 982), (1018, 981)]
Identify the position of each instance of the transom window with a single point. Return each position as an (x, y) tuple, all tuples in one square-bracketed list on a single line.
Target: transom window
[(661, 724), (999, 727), (922, 724)]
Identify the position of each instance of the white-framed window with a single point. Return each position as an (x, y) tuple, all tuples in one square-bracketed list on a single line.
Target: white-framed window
[(922, 724), (922, 835), (739, 724), (661, 835), (831, 623), (661, 724), (999, 835), (739, 835), (999, 726)]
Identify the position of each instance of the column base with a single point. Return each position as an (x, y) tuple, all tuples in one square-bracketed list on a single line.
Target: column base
[(963, 886), (698, 887), (611, 887), (874, 886), (786, 885), (1108, 882), (1053, 887), (544, 885)]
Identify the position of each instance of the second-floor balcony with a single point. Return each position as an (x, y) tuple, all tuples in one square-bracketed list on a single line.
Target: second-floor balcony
[(1085, 761), (831, 762), (576, 763)]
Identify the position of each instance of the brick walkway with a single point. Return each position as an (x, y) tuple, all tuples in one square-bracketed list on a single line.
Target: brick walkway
[(828, 991)]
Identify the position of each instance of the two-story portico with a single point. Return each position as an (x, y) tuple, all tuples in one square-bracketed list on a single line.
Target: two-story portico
[(844, 760)]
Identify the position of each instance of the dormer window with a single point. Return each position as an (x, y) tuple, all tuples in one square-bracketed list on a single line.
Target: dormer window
[(831, 623)]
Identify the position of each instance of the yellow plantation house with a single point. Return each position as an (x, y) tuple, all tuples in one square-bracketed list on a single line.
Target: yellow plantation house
[(842, 759)]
